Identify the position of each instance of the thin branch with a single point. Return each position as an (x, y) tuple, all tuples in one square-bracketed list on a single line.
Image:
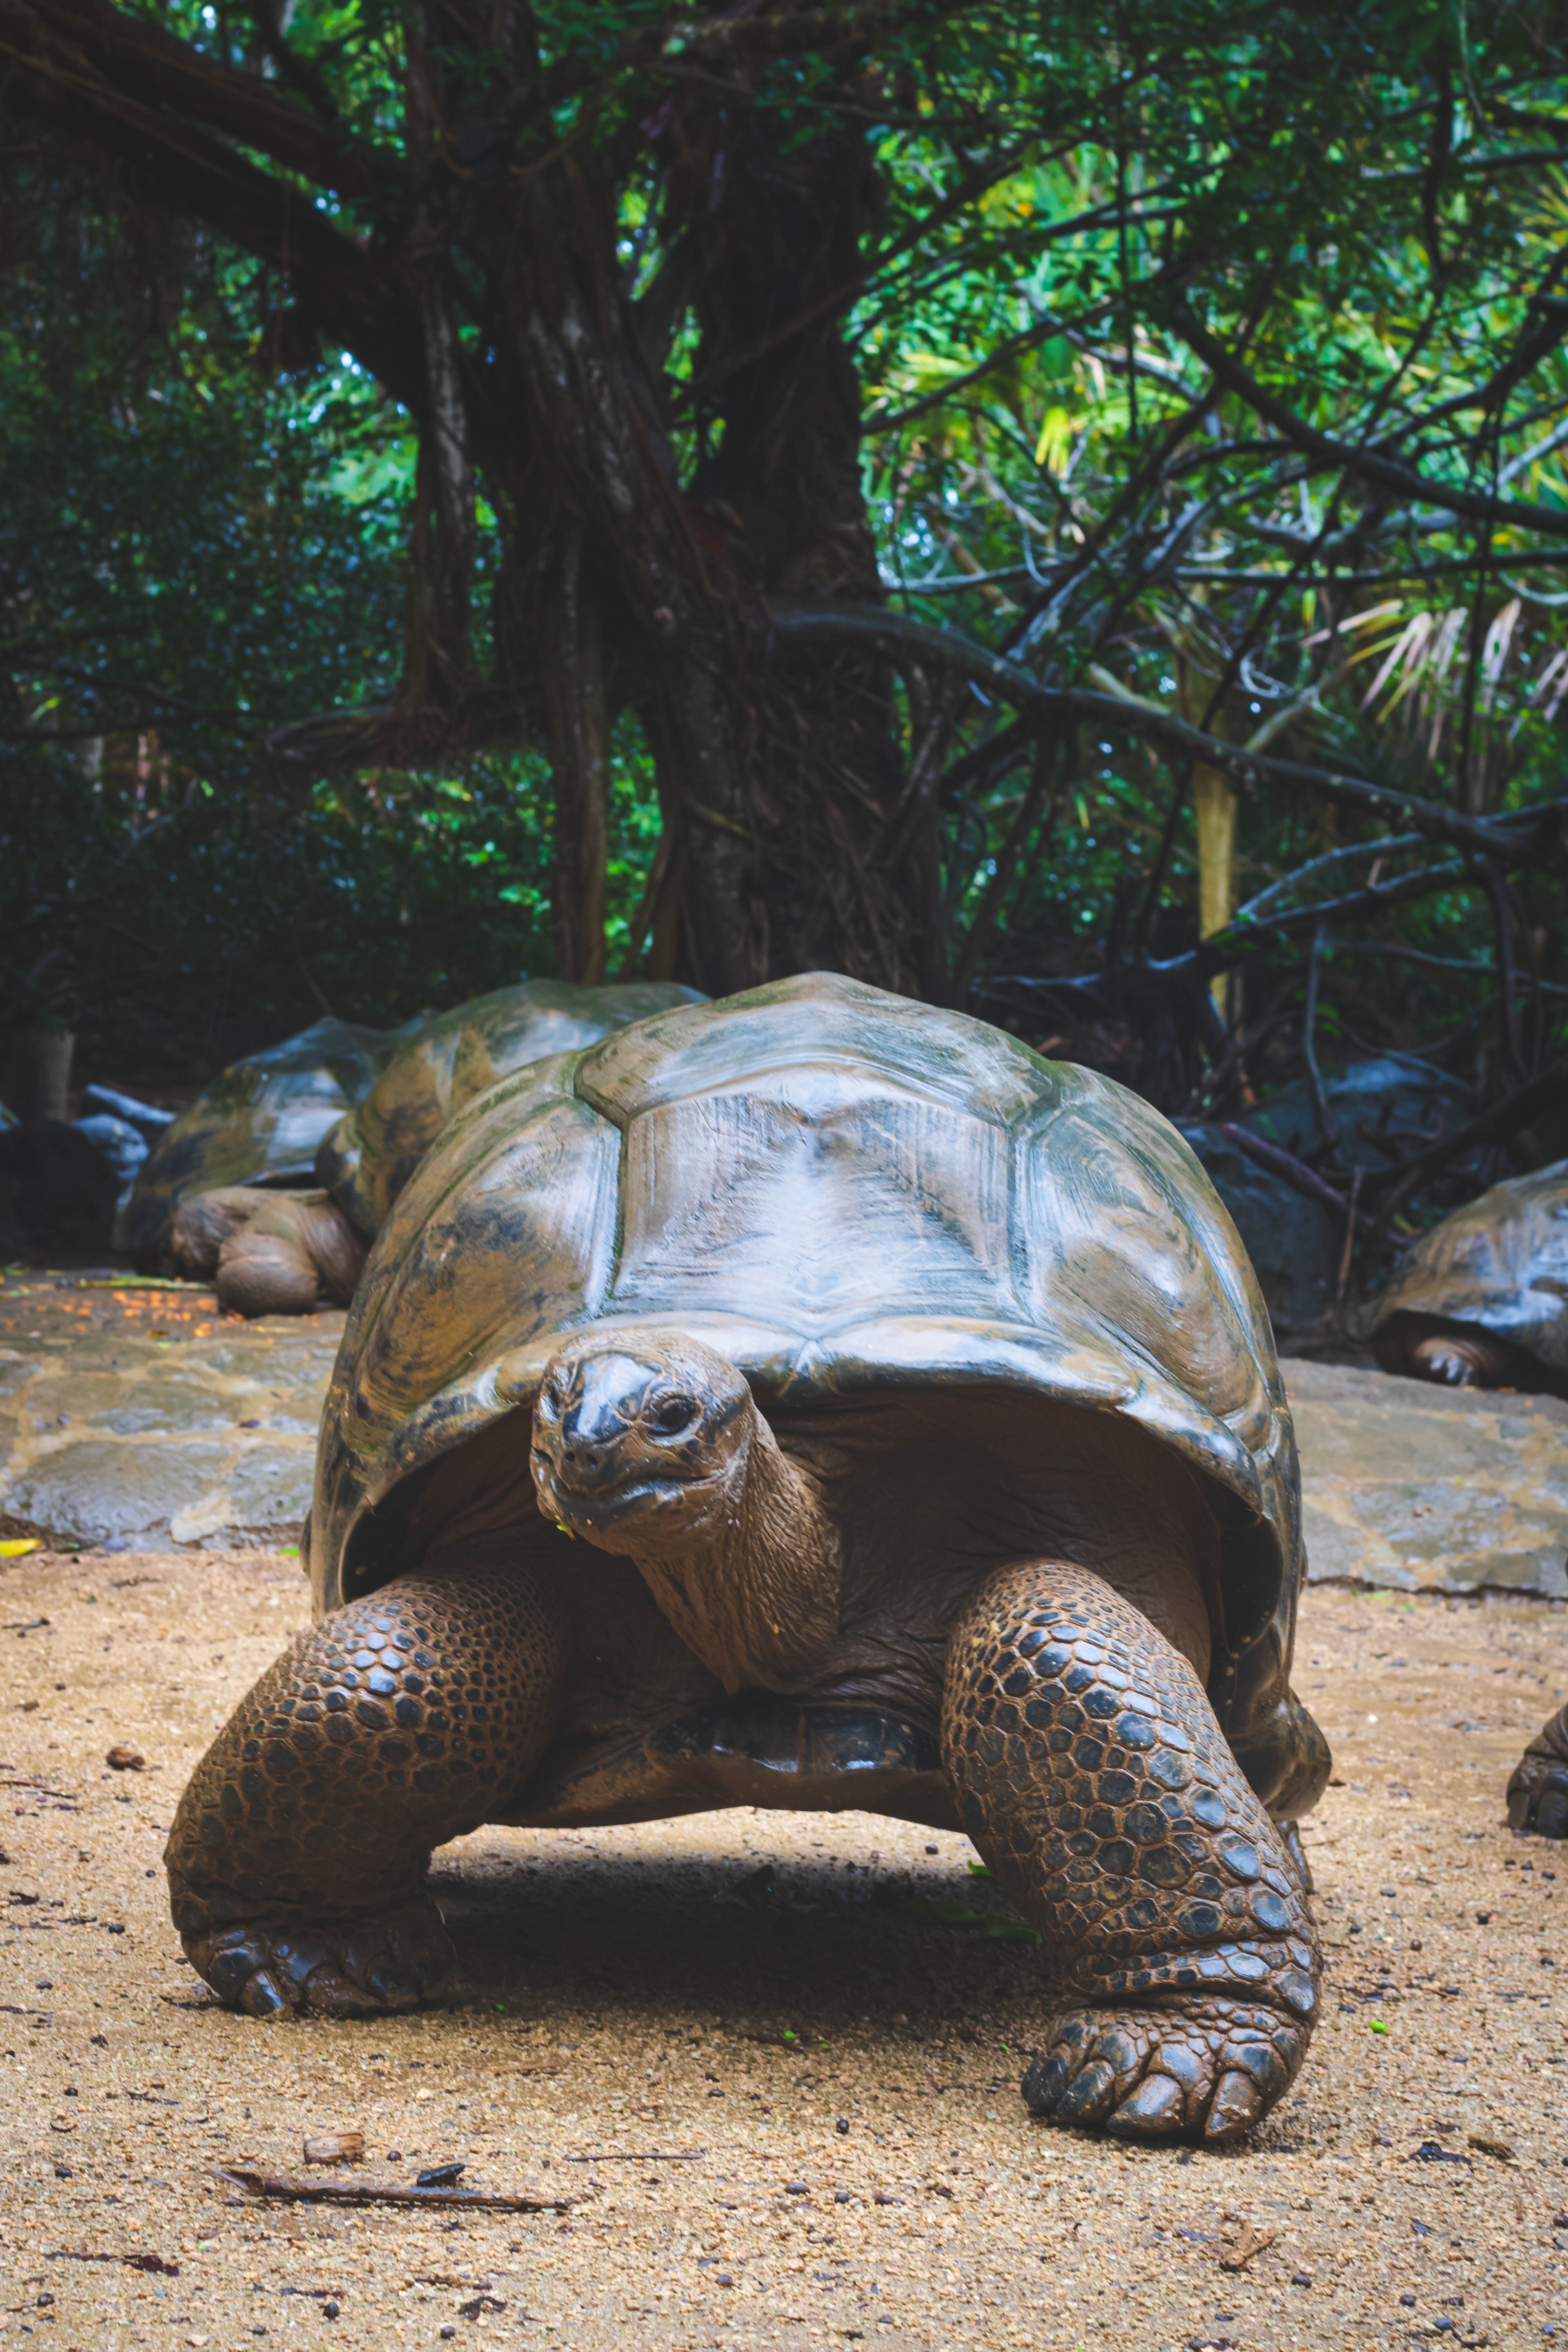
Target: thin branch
[(104, 54), (924, 642), (1326, 1119), (1280, 1162), (1369, 464), (1394, 1185)]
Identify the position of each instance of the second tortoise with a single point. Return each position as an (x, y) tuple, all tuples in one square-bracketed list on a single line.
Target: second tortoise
[(273, 1251), (1481, 1301)]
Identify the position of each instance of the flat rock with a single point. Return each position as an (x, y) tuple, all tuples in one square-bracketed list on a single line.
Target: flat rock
[(1413, 1487), (166, 1423), (117, 1436)]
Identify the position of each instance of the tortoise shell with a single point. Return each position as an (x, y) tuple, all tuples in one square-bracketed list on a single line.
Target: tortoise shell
[(372, 1152), (1500, 1265), (259, 1122), (843, 1192)]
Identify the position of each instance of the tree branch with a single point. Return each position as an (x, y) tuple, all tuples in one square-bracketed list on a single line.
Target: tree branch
[(923, 643), (1395, 1184), (1369, 464), (344, 287), (78, 44), (389, 735)]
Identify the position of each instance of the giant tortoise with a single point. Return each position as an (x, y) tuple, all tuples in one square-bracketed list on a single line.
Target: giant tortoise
[(1481, 1301), (270, 1254), (815, 1399), (257, 1125)]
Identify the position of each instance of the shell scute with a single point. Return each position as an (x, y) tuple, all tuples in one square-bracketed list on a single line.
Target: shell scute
[(506, 1232), (815, 1017), (1128, 1242), (810, 1198), (450, 1057)]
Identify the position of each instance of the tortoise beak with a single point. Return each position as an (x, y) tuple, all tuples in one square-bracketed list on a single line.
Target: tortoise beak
[(593, 1458)]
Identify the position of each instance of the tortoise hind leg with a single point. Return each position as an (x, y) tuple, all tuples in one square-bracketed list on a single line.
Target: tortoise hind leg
[(400, 1721), (1093, 1776), (1286, 1763), (1537, 1787), (268, 1253)]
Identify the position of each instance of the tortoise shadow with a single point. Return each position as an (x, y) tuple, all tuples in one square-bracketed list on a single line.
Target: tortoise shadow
[(687, 1939)]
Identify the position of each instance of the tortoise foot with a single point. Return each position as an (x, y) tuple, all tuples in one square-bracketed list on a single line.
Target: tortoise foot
[(1538, 1796), (1206, 2067), (385, 1963)]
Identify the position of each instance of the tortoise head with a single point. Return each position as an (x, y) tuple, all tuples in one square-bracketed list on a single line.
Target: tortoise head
[(651, 1446), (638, 1443)]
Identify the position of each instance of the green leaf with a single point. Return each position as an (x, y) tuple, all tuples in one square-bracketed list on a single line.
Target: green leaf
[(942, 1914), (1013, 1931)]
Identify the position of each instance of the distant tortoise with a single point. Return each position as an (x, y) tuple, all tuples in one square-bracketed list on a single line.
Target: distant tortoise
[(271, 1253), (921, 1416), (1481, 1301), (258, 1124)]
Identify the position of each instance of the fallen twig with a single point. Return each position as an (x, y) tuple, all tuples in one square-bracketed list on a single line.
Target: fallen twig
[(659, 2156), (146, 1282), (293, 2190), (154, 2264)]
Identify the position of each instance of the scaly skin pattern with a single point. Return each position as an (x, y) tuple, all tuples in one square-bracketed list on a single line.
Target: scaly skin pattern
[(1538, 1789), (1093, 1777), (400, 1721)]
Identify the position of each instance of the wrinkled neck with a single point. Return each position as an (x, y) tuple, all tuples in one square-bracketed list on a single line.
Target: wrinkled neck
[(753, 1588)]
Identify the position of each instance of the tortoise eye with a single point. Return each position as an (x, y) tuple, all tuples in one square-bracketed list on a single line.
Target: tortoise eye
[(670, 1414)]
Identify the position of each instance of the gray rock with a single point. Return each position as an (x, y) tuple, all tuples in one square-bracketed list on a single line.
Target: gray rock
[(1422, 1489), (113, 1438)]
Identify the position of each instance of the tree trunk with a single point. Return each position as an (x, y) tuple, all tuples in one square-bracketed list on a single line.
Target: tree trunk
[(39, 1072), (836, 869), (1214, 812), (578, 721)]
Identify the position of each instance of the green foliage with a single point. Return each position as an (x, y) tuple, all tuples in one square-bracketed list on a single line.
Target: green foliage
[(1361, 205), (1363, 202), (192, 549)]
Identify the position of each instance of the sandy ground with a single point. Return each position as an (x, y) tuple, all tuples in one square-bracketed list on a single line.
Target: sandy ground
[(819, 2077)]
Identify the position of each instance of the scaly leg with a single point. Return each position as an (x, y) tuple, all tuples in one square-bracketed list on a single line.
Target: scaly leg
[(400, 1721), (1538, 1789), (1093, 1777), (268, 1253)]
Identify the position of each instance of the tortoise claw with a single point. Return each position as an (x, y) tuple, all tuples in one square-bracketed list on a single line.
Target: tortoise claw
[(1207, 2065), (1088, 2097), (1156, 2110), (1538, 1798), (1236, 2105), (385, 1964), (261, 1996)]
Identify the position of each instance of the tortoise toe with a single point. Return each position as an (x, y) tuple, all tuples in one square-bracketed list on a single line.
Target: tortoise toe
[(1235, 2106), (1154, 2111)]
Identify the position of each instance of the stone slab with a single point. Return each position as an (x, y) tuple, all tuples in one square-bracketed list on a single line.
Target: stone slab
[(121, 1438), (116, 1435), (1414, 1487)]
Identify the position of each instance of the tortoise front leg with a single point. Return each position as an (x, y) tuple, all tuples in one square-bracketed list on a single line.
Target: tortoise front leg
[(400, 1721), (1538, 1787), (1093, 1777)]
